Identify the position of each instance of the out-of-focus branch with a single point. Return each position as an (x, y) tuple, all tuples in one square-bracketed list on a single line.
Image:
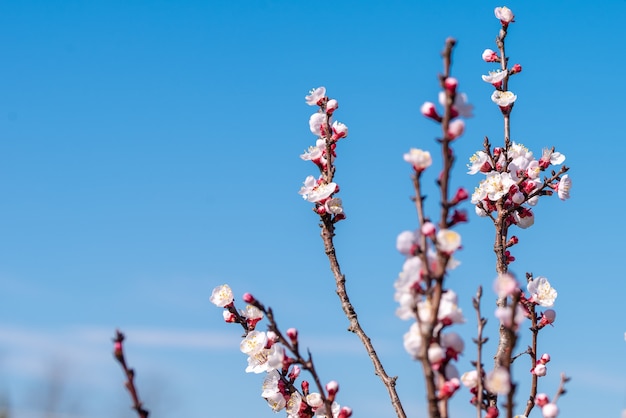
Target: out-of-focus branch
[(118, 353)]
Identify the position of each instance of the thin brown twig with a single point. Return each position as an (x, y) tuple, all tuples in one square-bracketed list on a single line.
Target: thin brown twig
[(118, 353)]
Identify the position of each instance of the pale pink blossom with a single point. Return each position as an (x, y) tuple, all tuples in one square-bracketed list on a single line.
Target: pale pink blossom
[(540, 370), (541, 292), (497, 185), (498, 381), (452, 341), (413, 340), (504, 285), (293, 404), (503, 98), (479, 162), (460, 107), (222, 296), (456, 129), (334, 206), (470, 379), (317, 123), (490, 55), (495, 77), (506, 317), (505, 15), (331, 106), (406, 241), (525, 218), (314, 191), (339, 130), (563, 187), (419, 159), (550, 411), (448, 241), (315, 95), (542, 399)]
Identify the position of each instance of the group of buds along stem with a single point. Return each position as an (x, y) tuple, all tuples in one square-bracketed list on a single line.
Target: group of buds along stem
[(321, 190), (268, 353)]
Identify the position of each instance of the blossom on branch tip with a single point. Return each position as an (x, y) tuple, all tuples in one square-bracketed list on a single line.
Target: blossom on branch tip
[(504, 14), (541, 293), (334, 206), (222, 296), (550, 157), (315, 96), (563, 187), (419, 159), (517, 68)]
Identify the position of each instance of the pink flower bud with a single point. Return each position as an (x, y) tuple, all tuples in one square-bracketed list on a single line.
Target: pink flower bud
[(450, 84), (461, 194), (545, 358), (229, 316), (294, 373), (331, 106), (339, 131), (492, 412), (305, 387), (332, 387), (345, 412), (516, 69), (490, 55), (248, 298), (539, 370), (541, 399), (547, 318), (455, 129), (292, 333), (429, 110)]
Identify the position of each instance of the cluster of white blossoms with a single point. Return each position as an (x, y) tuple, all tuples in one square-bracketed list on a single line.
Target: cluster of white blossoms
[(410, 289), (320, 190), (512, 175), (267, 355)]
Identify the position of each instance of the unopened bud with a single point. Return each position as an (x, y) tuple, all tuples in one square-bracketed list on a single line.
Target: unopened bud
[(450, 84), (292, 333), (331, 106), (248, 298)]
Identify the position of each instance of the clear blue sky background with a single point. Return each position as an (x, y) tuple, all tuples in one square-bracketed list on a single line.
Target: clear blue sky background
[(149, 151)]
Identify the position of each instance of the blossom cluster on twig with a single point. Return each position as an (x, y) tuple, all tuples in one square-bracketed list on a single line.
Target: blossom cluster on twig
[(278, 356)]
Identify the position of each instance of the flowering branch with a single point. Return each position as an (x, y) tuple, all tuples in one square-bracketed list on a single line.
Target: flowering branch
[(512, 182), (267, 352), (330, 210), (118, 353)]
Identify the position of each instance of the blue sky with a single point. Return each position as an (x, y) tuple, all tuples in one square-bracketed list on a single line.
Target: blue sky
[(149, 152)]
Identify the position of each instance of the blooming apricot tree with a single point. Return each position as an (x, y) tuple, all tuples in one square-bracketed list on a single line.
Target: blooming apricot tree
[(513, 181)]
